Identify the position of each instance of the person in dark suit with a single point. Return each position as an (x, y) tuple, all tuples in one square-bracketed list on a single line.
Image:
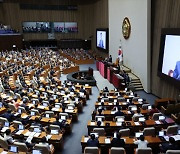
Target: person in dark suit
[(119, 112), (57, 122), (176, 72), (110, 59), (172, 145), (153, 110), (93, 142), (22, 140), (117, 142), (9, 115)]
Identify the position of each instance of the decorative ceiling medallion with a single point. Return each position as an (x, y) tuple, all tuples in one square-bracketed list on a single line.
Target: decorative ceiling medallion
[(126, 28)]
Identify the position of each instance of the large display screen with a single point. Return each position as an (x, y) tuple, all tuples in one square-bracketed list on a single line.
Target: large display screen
[(102, 39), (169, 57), (36, 27)]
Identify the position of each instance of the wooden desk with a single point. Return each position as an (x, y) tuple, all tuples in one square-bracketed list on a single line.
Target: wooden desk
[(129, 141)]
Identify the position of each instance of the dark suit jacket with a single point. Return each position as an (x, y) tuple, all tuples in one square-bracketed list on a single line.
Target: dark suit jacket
[(117, 142), (92, 143), (119, 113)]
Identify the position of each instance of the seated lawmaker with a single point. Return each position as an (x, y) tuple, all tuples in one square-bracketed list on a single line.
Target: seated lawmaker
[(8, 137), (119, 112), (9, 115), (117, 142), (153, 110), (172, 145), (93, 142)]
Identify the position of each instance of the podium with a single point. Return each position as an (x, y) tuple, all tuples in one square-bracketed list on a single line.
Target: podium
[(117, 80)]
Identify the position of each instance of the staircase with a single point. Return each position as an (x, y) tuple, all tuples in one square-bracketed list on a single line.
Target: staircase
[(135, 81)]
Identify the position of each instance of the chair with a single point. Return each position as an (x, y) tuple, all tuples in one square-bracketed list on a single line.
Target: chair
[(100, 117), (21, 146), (176, 117), (144, 151), (42, 148), (117, 150), (12, 107), (177, 108), (135, 99), (11, 93), (55, 127), (132, 106), (71, 106), (119, 117), (3, 143), (156, 116), (36, 111), (17, 123), (64, 114), (150, 131), (1, 88), (91, 150), (167, 111), (36, 100), (59, 104), (51, 113), (121, 99), (100, 131), (3, 120), (22, 109), (37, 92), (172, 130), (145, 106), (173, 152), (18, 96), (125, 132), (25, 97)]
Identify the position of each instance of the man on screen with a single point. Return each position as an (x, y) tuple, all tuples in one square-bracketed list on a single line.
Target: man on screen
[(101, 43), (176, 73)]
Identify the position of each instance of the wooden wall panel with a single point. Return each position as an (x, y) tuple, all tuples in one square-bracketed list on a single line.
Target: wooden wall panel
[(83, 16), (165, 14), (101, 20)]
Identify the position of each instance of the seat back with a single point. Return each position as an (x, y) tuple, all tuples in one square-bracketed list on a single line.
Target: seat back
[(173, 152), (42, 147), (156, 116), (3, 143), (2, 120), (51, 113), (117, 150), (121, 99), (91, 150), (21, 146), (36, 111), (17, 123), (18, 96), (119, 117), (22, 109), (12, 107), (125, 132), (172, 129), (100, 131), (144, 151), (170, 109), (149, 131), (145, 106), (99, 117), (64, 114), (55, 127)]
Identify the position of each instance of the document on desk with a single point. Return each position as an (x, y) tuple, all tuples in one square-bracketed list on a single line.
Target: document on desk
[(4, 152), (32, 133), (48, 137), (27, 133), (110, 103), (19, 132), (119, 123), (41, 107), (29, 139), (113, 112), (176, 137), (86, 139), (4, 129), (37, 134), (107, 140), (55, 109), (137, 123), (93, 123), (24, 116), (124, 103), (157, 122), (129, 112), (166, 138)]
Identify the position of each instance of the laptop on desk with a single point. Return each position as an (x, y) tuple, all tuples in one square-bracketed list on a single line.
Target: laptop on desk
[(13, 149)]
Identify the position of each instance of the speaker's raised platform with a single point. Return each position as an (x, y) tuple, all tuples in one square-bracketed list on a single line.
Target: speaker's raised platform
[(82, 77)]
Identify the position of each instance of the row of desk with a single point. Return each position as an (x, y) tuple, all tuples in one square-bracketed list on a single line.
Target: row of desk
[(111, 74)]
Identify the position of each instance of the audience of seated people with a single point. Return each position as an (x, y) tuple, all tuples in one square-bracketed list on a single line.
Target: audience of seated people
[(4, 29)]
